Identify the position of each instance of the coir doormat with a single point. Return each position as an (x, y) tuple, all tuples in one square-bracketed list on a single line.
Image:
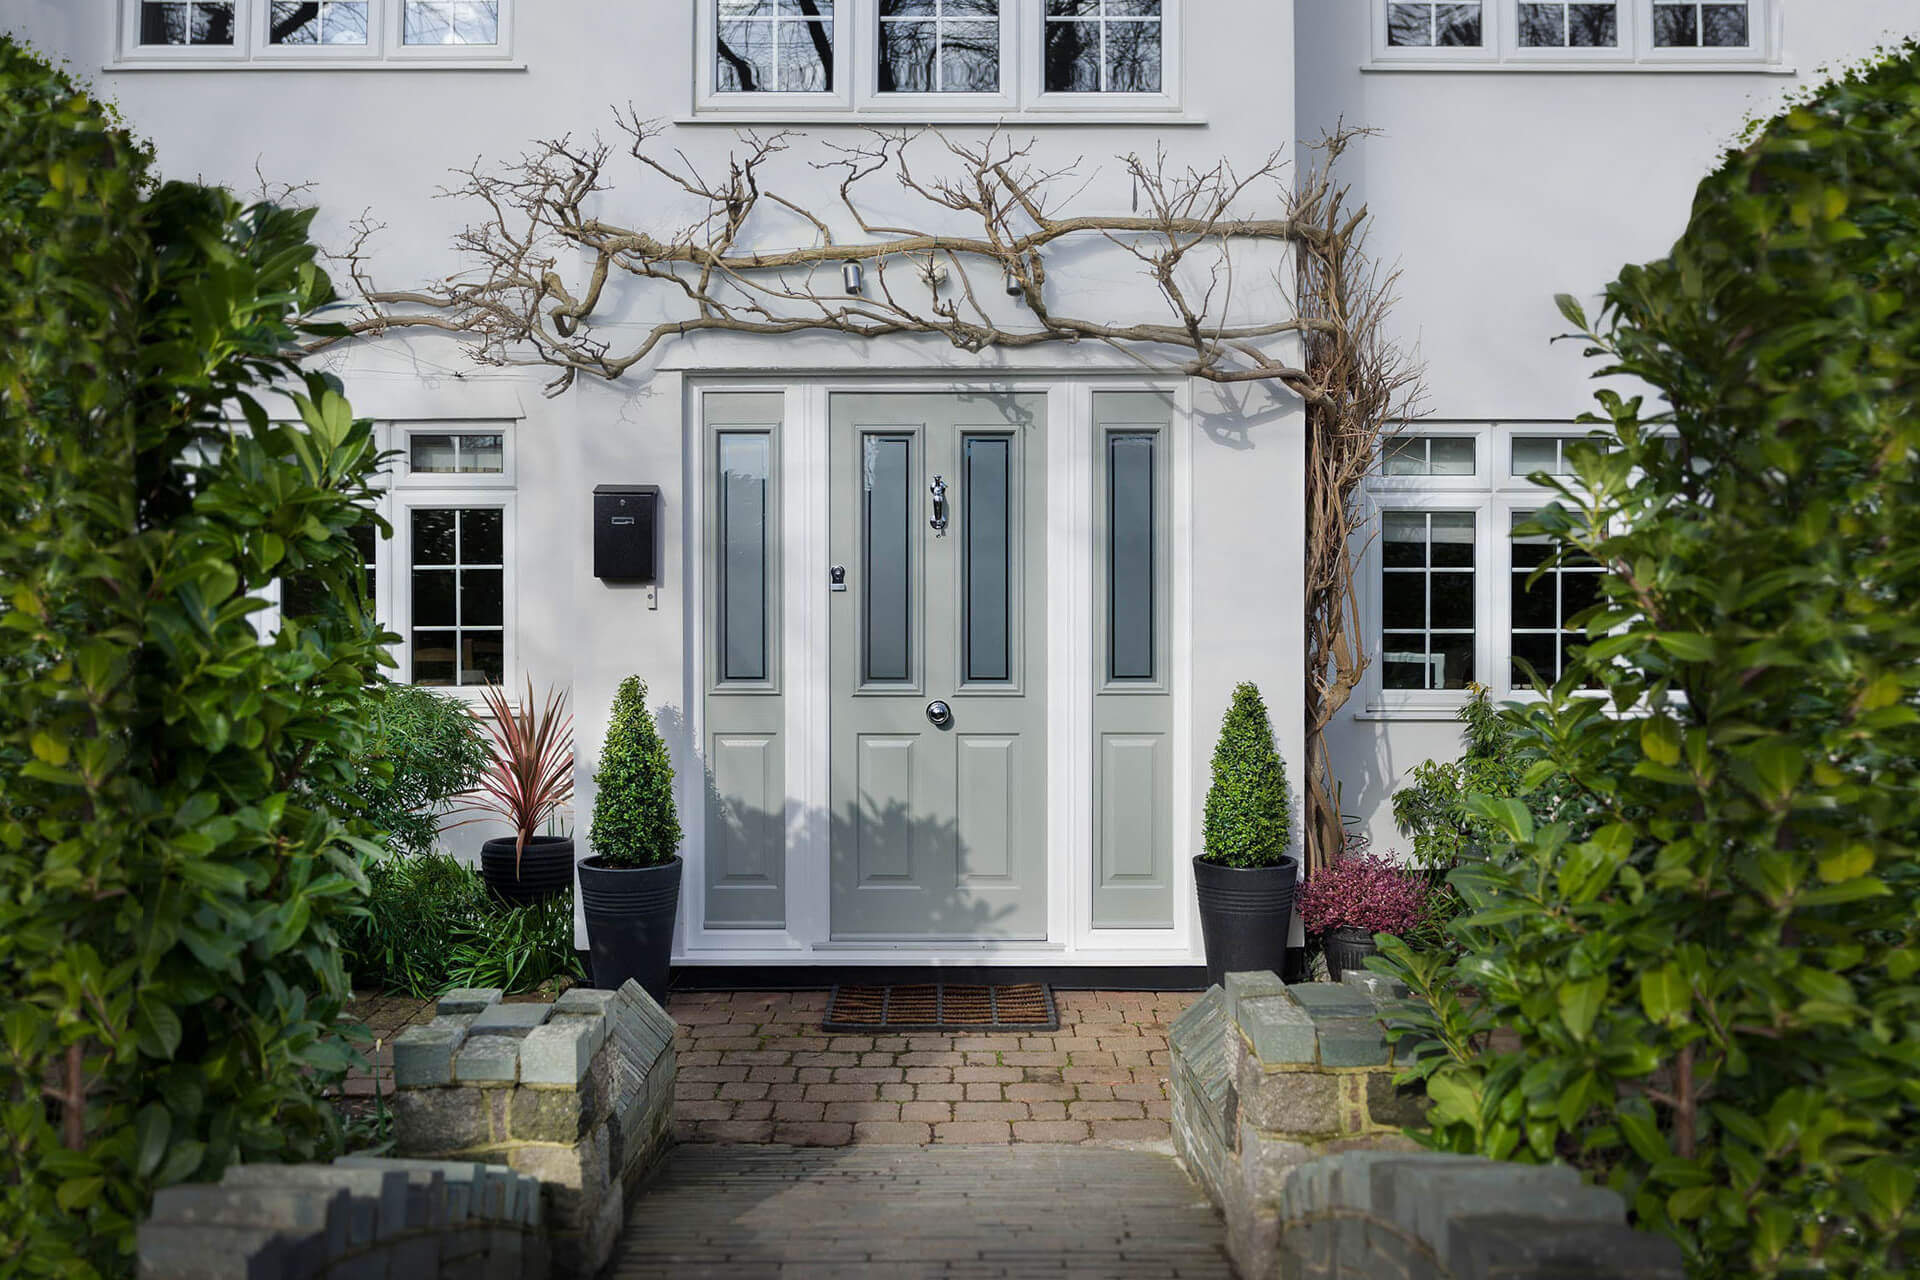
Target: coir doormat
[(943, 1006)]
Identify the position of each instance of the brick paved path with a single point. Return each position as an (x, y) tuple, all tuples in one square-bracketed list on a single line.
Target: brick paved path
[(755, 1067), (747, 1212)]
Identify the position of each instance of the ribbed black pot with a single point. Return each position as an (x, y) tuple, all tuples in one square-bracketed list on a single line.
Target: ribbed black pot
[(630, 913), (1348, 949), (1245, 914), (546, 869)]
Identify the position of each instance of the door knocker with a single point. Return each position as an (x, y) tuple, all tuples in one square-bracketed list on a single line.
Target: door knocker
[(939, 490)]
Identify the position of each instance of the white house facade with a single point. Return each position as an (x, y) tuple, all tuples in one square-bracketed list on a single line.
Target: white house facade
[(940, 638)]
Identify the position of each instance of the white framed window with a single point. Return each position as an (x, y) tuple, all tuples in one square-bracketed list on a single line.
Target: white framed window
[(452, 594), (1447, 589), (314, 33), (478, 454), (1577, 34), (773, 55), (936, 55)]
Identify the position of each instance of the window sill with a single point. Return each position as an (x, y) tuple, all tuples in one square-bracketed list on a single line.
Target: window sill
[(1432, 714), (863, 118), (1576, 66), (313, 64)]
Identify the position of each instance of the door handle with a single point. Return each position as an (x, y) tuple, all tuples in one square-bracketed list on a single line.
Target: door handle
[(939, 714), (939, 490)]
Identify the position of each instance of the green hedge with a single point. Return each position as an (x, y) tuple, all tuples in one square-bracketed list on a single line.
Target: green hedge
[(172, 879)]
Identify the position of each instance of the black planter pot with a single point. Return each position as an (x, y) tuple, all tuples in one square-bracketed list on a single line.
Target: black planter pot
[(630, 913), (1245, 915), (1348, 949), (546, 869)]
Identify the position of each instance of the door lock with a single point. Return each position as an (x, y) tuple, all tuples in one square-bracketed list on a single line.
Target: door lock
[(939, 714), (837, 578)]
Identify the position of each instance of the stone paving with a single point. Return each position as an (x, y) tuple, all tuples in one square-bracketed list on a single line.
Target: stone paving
[(745, 1212), (755, 1067)]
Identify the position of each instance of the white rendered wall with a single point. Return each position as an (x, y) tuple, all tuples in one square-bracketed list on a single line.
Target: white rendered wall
[(1494, 190)]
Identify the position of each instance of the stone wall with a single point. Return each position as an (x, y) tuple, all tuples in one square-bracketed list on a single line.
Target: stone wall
[(524, 1131), (1286, 1111), (578, 1094)]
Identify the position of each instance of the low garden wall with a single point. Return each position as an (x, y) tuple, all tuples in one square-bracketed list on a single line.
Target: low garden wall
[(525, 1129), (1285, 1110)]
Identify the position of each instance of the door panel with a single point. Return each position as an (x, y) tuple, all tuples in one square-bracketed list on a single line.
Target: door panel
[(936, 505)]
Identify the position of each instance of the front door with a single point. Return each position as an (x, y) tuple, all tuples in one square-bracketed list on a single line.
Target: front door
[(938, 599)]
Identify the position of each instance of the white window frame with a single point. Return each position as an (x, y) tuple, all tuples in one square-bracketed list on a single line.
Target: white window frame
[(1493, 494), (1033, 67), (384, 49), (400, 581), (708, 98), (1501, 49), (866, 70), (204, 53), (405, 476)]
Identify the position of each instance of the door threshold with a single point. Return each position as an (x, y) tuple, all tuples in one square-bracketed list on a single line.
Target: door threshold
[(693, 978)]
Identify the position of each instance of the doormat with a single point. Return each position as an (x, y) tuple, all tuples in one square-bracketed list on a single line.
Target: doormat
[(942, 1006)]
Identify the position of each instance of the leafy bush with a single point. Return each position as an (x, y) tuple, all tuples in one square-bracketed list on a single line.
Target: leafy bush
[(172, 874), (431, 925), (634, 824), (1247, 820), (425, 750), (1711, 992), (1433, 811), (1364, 892)]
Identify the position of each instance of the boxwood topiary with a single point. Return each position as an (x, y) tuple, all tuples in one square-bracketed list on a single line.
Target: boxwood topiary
[(1247, 821), (634, 824)]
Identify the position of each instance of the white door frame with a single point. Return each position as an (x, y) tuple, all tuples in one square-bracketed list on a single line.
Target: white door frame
[(1071, 938)]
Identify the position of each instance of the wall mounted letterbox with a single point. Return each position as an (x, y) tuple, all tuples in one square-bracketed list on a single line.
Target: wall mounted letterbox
[(625, 518)]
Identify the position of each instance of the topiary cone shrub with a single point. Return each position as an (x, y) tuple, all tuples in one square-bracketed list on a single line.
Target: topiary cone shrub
[(1247, 819), (634, 822)]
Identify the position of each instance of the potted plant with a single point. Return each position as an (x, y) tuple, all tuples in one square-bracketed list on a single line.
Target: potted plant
[(528, 777), (1355, 899), (1244, 878), (630, 886)]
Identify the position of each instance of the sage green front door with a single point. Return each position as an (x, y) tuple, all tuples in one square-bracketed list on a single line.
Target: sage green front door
[(938, 603)]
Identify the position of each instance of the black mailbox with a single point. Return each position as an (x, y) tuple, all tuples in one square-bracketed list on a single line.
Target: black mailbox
[(625, 517)]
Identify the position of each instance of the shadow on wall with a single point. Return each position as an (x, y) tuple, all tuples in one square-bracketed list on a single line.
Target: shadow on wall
[(1230, 415)]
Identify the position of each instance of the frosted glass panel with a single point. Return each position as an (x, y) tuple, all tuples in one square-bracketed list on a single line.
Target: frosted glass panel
[(1130, 556), (886, 548), (744, 459), (988, 499)]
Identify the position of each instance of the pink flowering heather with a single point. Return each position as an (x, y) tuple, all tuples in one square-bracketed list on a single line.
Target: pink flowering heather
[(1363, 892)]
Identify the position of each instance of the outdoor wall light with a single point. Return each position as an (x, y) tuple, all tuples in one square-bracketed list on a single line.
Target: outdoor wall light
[(850, 277)]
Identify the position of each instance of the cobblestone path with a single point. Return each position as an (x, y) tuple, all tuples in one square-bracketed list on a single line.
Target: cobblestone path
[(1022, 1210)]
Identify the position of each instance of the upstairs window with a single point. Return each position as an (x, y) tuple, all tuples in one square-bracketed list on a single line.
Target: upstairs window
[(774, 46), (195, 23), (450, 22), (1104, 46), (939, 46), (331, 22), (1427, 26), (1684, 24)]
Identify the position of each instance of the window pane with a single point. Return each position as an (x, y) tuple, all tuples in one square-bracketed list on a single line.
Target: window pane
[(987, 493), (1131, 610), (433, 536), (432, 454), (1452, 596), (744, 470), (1725, 26), (452, 22), (344, 24), (907, 51), (1534, 606), (1593, 25), (1133, 57), (969, 57), (1541, 652), (806, 57), (481, 602), (887, 549), (1403, 600), (1403, 660), (1535, 453), (1073, 57), (1459, 25), (480, 536), (1579, 591), (294, 23), (1453, 539), (483, 658), (183, 23), (1406, 456), (433, 598), (1404, 540), (1410, 25), (1451, 666), (1675, 26), (1543, 25), (433, 657), (482, 455), (1452, 456), (745, 58), (212, 24)]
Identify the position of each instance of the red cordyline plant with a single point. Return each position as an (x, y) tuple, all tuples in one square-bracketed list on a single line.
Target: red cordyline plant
[(531, 773), (1364, 892)]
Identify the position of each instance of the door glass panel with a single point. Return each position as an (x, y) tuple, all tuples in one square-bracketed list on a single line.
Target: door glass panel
[(744, 461), (886, 548), (1130, 555), (987, 495)]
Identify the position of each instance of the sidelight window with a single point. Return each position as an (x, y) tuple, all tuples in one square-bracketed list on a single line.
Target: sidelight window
[(886, 528), (745, 462)]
